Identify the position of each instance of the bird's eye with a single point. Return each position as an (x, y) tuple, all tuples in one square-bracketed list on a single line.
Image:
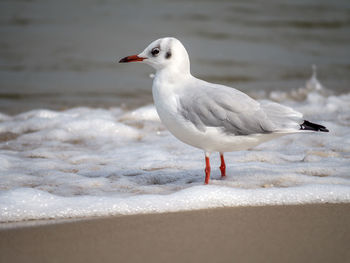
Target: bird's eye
[(155, 51)]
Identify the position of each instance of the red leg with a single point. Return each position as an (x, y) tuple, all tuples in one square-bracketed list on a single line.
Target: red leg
[(223, 165), (207, 169)]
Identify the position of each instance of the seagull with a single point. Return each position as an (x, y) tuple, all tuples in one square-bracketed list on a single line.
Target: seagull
[(212, 117)]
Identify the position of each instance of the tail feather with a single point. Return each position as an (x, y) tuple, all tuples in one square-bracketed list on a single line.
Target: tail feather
[(312, 127)]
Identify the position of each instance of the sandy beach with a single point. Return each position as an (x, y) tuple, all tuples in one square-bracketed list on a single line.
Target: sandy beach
[(307, 233)]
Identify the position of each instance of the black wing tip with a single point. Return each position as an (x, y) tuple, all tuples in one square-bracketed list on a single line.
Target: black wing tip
[(312, 127)]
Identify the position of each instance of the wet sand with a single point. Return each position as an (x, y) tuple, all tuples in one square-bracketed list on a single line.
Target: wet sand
[(306, 233)]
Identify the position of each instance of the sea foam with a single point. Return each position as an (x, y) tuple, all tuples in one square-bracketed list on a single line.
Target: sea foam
[(90, 162)]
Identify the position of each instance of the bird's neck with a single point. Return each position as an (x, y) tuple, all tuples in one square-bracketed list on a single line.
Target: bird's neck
[(166, 84), (173, 75)]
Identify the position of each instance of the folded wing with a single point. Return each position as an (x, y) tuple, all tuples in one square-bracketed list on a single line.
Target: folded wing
[(233, 112)]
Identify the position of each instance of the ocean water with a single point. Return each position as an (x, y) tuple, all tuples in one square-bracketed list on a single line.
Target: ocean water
[(62, 54), (92, 161), (79, 135)]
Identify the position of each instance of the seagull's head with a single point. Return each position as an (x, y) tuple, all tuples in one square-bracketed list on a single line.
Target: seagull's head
[(163, 53)]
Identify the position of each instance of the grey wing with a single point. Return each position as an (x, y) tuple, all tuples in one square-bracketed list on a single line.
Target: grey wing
[(225, 108)]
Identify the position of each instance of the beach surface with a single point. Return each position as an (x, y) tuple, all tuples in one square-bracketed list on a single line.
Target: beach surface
[(294, 233)]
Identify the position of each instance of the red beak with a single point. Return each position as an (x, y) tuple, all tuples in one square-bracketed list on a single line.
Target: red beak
[(132, 58)]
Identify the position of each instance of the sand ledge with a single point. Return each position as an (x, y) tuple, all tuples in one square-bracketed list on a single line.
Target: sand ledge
[(294, 233)]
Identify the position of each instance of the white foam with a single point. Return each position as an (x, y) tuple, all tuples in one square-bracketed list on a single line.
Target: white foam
[(36, 204), (88, 162)]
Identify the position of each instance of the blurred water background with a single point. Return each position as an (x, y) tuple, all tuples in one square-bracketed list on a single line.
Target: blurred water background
[(62, 54)]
